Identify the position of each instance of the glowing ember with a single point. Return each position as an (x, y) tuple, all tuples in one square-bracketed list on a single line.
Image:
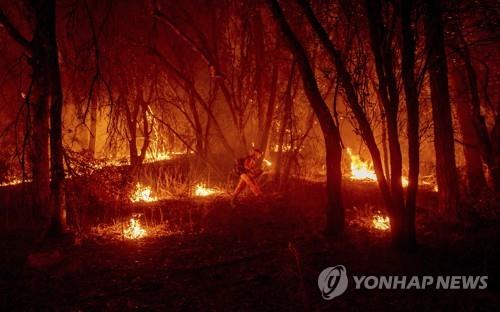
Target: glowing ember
[(142, 193), (284, 147), (134, 230), (381, 222), (152, 157), (13, 182), (202, 190), (361, 170), (404, 181)]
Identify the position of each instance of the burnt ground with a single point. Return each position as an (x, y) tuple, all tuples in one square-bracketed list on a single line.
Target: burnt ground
[(261, 255)]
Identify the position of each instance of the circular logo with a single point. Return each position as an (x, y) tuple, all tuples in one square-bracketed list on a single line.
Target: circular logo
[(332, 282)]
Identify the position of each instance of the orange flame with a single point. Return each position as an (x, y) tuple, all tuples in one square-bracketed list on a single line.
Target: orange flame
[(361, 170), (152, 157), (14, 181), (381, 222), (404, 181), (142, 193), (134, 230), (201, 190)]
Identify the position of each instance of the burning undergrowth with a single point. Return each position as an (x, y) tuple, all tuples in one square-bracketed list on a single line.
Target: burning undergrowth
[(132, 230), (100, 193), (368, 217), (105, 200), (203, 190), (142, 193), (150, 220), (169, 190)]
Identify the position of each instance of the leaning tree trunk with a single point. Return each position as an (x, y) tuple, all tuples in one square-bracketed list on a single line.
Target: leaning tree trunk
[(446, 171), (335, 209), (347, 85)]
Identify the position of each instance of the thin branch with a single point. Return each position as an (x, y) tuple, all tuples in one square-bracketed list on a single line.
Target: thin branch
[(13, 32)]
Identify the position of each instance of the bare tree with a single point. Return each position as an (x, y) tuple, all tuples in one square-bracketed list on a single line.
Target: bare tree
[(446, 171), (45, 102), (402, 215), (477, 138), (408, 47), (335, 210)]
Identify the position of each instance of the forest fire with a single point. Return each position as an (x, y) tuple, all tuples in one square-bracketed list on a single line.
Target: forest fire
[(142, 193), (360, 170), (150, 157), (134, 229), (202, 190), (381, 222), (267, 162), (11, 182), (159, 156), (163, 154), (363, 170)]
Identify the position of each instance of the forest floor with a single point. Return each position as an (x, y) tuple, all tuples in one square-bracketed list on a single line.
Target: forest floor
[(258, 255)]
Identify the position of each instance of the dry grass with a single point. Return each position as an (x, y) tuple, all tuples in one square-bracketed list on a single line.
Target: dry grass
[(262, 254)]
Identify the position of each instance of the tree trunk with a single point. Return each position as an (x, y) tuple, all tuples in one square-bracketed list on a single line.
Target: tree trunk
[(212, 63), (389, 96), (347, 85), (47, 173), (387, 168), (446, 171), (58, 202), (335, 210), (93, 127), (412, 110), (495, 151), (39, 133), (208, 109), (260, 76), (131, 120), (294, 154), (485, 141), (200, 147), (476, 181), (39, 104), (145, 128), (264, 140), (285, 124)]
